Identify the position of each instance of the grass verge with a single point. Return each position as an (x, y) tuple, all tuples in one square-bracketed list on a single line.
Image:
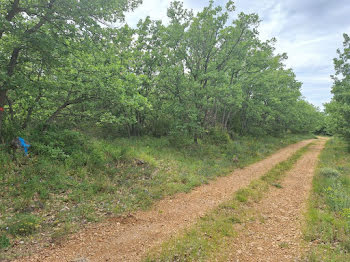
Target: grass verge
[(71, 180), (328, 216), (212, 234)]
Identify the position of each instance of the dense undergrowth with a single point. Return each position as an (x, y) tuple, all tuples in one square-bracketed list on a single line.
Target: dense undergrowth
[(209, 239), (70, 179), (328, 217)]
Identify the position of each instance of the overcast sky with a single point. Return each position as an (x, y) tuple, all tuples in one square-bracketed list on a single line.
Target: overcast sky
[(309, 31)]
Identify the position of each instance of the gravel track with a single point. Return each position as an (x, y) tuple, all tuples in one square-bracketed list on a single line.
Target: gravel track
[(276, 232)]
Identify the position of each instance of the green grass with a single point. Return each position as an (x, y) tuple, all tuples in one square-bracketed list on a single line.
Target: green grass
[(328, 217), (72, 179), (210, 238)]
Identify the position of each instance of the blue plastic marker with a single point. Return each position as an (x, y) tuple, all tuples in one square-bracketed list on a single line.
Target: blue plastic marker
[(24, 145)]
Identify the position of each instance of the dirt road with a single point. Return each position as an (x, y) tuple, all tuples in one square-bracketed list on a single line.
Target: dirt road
[(276, 232), (128, 238)]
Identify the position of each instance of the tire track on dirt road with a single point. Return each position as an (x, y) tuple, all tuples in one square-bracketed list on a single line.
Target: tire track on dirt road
[(129, 238), (274, 233)]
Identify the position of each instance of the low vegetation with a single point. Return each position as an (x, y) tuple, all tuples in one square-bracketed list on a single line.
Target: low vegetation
[(328, 217), (72, 179), (212, 234)]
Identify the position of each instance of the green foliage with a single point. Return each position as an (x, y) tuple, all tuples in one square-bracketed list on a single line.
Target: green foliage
[(199, 72), (328, 220), (218, 136), (4, 242), (57, 144), (23, 225), (47, 63), (337, 197), (339, 108), (4, 156)]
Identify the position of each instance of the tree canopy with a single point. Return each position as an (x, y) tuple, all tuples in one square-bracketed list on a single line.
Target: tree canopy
[(66, 63), (339, 107)]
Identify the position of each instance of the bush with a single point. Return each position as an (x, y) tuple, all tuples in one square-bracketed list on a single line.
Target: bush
[(57, 144), (218, 135), (160, 127)]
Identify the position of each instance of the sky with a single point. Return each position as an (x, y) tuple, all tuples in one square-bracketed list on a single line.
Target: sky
[(309, 31)]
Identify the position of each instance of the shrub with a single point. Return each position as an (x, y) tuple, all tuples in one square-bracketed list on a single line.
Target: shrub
[(218, 135), (57, 144), (160, 127)]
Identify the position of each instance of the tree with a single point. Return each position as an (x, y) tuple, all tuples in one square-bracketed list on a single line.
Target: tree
[(34, 34), (64, 64), (203, 52), (339, 107)]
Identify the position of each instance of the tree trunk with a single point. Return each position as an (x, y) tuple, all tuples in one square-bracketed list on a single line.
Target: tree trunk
[(12, 114), (244, 123), (54, 115), (195, 139), (216, 113), (227, 119), (205, 120), (30, 111), (223, 117), (129, 132), (3, 89), (2, 113)]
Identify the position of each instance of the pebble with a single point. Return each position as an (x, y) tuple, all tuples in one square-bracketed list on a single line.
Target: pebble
[(81, 259)]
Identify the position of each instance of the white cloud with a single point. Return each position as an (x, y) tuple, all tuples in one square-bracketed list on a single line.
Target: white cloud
[(271, 27), (316, 79), (156, 9), (309, 31)]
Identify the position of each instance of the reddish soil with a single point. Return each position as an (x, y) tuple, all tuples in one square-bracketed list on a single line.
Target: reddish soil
[(274, 233)]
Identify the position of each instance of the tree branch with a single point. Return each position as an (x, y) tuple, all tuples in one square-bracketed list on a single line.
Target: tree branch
[(63, 106), (11, 14), (227, 56), (42, 20)]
